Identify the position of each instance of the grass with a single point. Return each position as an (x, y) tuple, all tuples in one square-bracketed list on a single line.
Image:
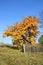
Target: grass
[(9, 56)]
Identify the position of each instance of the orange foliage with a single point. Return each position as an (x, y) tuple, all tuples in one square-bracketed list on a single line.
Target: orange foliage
[(16, 31)]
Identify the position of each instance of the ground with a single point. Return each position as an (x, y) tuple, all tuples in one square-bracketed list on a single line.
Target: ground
[(10, 56)]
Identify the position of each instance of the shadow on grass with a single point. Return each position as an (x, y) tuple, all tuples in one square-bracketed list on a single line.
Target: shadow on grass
[(10, 46)]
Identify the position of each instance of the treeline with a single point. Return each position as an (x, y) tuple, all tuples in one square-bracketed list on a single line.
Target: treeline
[(30, 48)]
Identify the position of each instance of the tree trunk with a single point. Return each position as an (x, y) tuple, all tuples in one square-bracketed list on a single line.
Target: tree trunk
[(23, 48)]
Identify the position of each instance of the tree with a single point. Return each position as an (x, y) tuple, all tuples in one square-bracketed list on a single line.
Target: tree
[(25, 31), (41, 40)]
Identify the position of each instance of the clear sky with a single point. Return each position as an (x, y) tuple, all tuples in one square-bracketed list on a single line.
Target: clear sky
[(13, 10)]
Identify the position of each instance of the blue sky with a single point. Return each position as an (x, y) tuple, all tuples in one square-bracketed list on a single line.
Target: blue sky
[(12, 11)]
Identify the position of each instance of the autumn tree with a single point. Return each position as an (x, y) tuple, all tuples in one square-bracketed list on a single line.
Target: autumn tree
[(25, 31)]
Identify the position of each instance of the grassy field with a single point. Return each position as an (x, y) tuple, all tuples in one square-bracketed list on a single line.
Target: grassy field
[(9, 56)]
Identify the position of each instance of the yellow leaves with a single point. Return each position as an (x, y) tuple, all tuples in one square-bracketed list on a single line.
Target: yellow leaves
[(32, 39), (21, 43), (19, 29), (4, 35), (32, 31)]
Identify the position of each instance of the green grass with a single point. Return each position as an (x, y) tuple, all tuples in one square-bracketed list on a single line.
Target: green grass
[(10, 56)]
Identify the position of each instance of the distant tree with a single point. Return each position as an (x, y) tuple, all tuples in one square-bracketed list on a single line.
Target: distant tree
[(41, 40), (25, 31), (41, 27)]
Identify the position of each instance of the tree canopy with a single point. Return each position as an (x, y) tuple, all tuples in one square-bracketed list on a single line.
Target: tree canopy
[(25, 31)]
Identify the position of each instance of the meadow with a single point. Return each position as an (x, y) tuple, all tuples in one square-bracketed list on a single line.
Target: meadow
[(10, 56)]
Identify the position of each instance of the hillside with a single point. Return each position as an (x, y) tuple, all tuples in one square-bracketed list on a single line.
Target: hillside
[(2, 44), (9, 56)]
